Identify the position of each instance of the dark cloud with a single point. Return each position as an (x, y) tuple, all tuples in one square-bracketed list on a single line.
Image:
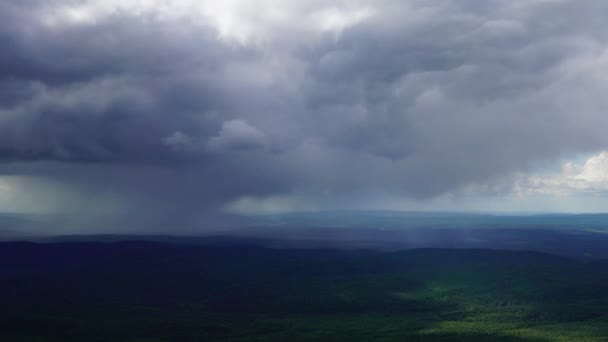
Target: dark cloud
[(173, 118)]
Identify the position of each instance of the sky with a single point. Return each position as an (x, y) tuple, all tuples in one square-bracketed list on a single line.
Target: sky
[(157, 115)]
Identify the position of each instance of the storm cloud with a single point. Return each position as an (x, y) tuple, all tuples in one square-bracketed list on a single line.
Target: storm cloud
[(165, 114)]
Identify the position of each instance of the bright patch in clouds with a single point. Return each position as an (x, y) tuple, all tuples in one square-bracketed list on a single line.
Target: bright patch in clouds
[(335, 20), (241, 21), (575, 179)]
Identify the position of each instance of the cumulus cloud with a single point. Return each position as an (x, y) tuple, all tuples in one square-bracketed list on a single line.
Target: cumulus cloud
[(591, 176), (237, 135), (187, 106)]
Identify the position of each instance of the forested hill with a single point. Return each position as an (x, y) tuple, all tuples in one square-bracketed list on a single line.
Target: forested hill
[(169, 292)]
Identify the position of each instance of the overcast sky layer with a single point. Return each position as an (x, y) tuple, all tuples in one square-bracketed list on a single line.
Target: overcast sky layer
[(171, 115)]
